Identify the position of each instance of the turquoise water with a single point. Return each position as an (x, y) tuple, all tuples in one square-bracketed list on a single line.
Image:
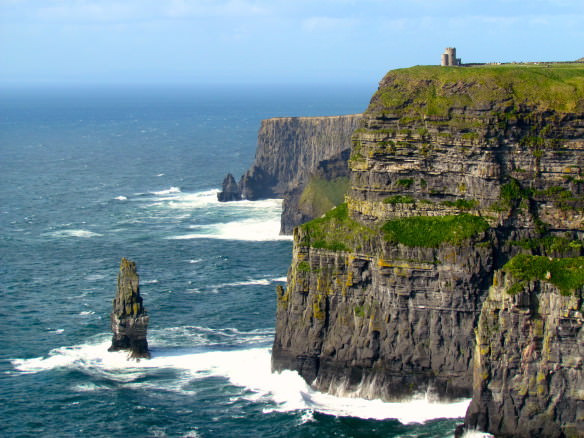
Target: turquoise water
[(90, 176)]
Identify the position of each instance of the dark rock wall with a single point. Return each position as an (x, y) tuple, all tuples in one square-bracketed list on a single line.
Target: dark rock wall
[(386, 324), (528, 374), (291, 148), (386, 320)]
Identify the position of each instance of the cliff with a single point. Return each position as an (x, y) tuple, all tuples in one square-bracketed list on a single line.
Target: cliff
[(129, 320), (291, 152), (455, 172)]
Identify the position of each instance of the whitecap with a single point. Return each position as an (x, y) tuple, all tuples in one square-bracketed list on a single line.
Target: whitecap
[(88, 387), (85, 313), (476, 434), (121, 198), (193, 261), (75, 233), (259, 282), (160, 174), (169, 191), (217, 288), (246, 368), (259, 230), (280, 279), (95, 277), (154, 281)]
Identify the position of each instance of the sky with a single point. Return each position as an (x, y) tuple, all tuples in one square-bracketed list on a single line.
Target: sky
[(271, 41)]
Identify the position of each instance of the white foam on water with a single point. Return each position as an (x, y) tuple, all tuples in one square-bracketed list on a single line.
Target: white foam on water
[(258, 230), (87, 313), (259, 282), (167, 191), (75, 233), (121, 198), (217, 288), (247, 368), (476, 434), (154, 281), (88, 387), (193, 261), (280, 279)]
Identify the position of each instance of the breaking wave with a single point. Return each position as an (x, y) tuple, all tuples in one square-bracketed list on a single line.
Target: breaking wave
[(248, 368)]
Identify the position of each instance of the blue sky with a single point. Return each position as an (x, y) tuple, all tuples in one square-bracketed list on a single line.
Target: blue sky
[(271, 41)]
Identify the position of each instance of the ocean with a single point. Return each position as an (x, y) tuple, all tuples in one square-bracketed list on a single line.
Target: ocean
[(90, 175)]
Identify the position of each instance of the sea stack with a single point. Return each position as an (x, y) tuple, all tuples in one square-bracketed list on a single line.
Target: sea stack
[(231, 191), (129, 318)]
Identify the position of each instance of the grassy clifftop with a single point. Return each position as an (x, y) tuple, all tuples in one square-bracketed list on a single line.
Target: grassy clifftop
[(434, 90)]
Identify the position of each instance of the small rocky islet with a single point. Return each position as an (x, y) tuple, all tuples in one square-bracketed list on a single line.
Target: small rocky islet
[(455, 262), (129, 320)]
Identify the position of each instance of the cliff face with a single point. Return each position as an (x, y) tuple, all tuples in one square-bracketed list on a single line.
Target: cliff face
[(291, 148), (291, 151), (528, 362), (455, 172)]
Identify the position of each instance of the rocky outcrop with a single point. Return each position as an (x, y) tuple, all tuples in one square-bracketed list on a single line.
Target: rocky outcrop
[(129, 319), (230, 190), (290, 151), (528, 373), (454, 174)]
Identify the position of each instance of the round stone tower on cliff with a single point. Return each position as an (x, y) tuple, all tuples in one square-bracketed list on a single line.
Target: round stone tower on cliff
[(449, 57)]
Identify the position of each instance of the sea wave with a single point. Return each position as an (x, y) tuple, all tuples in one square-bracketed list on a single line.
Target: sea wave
[(86, 234), (252, 282), (167, 191), (476, 434), (247, 368), (259, 230)]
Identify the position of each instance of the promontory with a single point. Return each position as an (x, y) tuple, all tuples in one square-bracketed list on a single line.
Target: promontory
[(455, 263)]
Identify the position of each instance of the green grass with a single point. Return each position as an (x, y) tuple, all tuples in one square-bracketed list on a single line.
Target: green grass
[(399, 199), (336, 231), (432, 231), (320, 195), (512, 191), (303, 266), (566, 273), (548, 244), (434, 90), (405, 182), (462, 204)]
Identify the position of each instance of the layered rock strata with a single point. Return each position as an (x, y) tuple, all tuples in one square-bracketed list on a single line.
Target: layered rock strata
[(290, 151), (454, 173), (529, 362), (129, 320)]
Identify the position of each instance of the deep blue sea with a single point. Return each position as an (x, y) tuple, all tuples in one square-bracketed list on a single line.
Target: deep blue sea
[(88, 176)]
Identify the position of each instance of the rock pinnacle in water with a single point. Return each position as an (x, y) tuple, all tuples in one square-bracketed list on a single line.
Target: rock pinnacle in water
[(129, 318)]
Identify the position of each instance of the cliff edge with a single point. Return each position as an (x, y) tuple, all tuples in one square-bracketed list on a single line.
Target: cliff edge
[(455, 172), (293, 154)]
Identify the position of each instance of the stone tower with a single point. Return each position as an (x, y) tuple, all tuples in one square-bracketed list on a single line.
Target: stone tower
[(449, 57)]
